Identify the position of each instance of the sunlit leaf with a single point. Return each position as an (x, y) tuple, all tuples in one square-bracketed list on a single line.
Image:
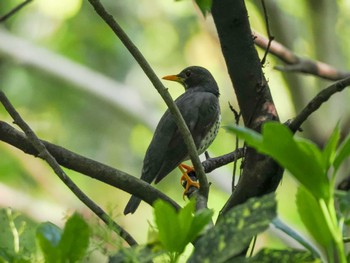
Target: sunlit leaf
[(177, 230), (312, 217), (200, 220), (331, 146), (343, 153), (167, 223), (185, 219), (75, 238)]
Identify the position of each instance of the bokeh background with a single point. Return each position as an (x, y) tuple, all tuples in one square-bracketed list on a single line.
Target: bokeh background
[(77, 86)]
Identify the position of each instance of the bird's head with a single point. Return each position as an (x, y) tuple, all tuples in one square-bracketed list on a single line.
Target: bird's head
[(195, 78)]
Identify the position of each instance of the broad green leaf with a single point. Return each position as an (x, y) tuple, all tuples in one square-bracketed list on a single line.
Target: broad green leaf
[(176, 230), (204, 6), (281, 256), (200, 221), (49, 236), (185, 219), (168, 227), (75, 239), (301, 157), (343, 153), (235, 230), (331, 147), (312, 217)]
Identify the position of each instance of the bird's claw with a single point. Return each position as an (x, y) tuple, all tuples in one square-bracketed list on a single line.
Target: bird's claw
[(185, 180)]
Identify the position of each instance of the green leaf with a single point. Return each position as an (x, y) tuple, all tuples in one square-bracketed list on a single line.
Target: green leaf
[(75, 238), (176, 230), (311, 214), (343, 153), (49, 236), (234, 231), (140, 254), (185, 219), (200, 220), (331, 146), (301, 157), (204, 6), (280, 256), (168, 227)]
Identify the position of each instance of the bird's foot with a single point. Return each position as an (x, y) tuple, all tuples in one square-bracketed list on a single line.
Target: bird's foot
[(188, 174)]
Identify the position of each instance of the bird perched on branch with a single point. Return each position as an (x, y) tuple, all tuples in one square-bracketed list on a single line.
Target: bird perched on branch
[(199, 106)]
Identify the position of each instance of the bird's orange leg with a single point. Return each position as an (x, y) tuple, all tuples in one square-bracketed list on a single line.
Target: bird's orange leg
[(185, 169)]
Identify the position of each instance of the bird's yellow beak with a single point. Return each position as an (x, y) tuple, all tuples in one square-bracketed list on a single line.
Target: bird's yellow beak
[(173, 78)]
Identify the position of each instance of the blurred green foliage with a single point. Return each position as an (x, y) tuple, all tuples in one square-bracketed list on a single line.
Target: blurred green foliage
[(172, 35)]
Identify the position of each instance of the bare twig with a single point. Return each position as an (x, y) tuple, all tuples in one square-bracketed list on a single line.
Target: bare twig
[(237, 117), (14, 11), (298, 64), (271, 38), (317, 101), (45, 154), (204, 189)]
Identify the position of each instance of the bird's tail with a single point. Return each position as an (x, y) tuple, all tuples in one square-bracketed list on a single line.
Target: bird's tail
[(132, 205)]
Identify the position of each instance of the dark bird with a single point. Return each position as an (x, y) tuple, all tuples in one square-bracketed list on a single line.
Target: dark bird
[(199, 106)]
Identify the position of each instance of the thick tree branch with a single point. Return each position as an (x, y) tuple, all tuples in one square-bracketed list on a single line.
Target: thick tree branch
[(298, 64), (45, 155), (317, 101), (86, 166), (261, 174), (100, 10)]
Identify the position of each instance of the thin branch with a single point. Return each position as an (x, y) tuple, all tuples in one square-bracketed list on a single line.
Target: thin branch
[(298, 64), (317, 101), (14, 11), (234, 170), (213, 163), (100, 10), (271, 38), (45, 154)]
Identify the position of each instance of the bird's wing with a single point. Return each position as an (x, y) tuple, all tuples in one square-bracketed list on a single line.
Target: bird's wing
[(155, 154), (199, 117)]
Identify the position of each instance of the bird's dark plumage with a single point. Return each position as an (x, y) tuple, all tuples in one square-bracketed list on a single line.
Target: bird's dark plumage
[(199, 106)]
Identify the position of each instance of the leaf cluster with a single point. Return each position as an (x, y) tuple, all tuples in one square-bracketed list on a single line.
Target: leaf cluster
[(315, 170)]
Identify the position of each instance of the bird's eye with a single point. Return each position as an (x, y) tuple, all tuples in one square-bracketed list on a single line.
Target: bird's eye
[(188, 73)]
